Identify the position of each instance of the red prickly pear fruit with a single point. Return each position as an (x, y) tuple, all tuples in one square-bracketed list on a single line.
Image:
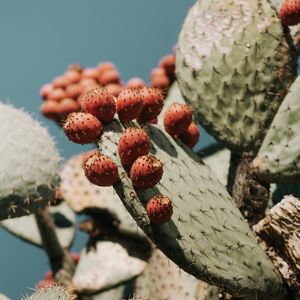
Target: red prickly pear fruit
[(135, 83), (75, 257), (133, 143), (191, 136), (146, 171), (109, 76), (99, 103), (90, 73), (57, 94), (160, 209), (73, 76), (129, 105), (153, 102), (177, 119), (114, 89), (154, 121), (58, 198), (168, 63), (106, 66), (74, 90), (82, 128), (87, 154), (101, 170), (67, 106), (51, 109), (61, 82), (45, 283), (158, 72), (290, 12), (45, 90), (48, 275), (160, 81)]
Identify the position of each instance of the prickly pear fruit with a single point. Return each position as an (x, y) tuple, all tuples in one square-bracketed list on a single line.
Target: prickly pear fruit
[(45, 90), (50, 109), (67, 106), (290, 12), (159, 78), (109, 76), (191, 136), (100, 103), (146, 171), (82, 128), (159, 209), (168, 63), (57, 94), (177, 119), (73, 76), (129, 105), (101, 170), (153, 101), (133, 143), (135, 83)]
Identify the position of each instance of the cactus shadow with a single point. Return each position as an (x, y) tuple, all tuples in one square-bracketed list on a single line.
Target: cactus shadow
[(162, 141)]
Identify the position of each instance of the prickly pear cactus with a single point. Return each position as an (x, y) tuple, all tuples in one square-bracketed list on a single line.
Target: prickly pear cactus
[(29, 164), (278, 159), (81, 194), (234, 65), (26, 228), (51, 293), (106, 266), (163, 280), (228, 255)]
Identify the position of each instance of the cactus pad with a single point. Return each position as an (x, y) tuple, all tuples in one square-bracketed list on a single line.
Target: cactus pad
[(207, 236), (26, 228), (104, 267), (234, 65), (278, 159), (163, 280), (29, 164)]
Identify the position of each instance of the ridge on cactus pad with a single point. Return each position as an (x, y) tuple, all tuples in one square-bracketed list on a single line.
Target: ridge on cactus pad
[(234, 65), (29, 164), (228, 255), (278, 159)]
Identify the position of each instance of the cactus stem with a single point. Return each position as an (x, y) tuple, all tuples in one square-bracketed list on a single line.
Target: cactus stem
[(61, 261)]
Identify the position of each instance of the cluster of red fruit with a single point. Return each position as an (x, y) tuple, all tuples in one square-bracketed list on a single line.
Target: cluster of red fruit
[(49, 280), (143, 104), (290, 12), (61, 96)]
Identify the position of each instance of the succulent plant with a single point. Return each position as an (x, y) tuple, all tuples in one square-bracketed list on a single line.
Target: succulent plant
[(29, 161)]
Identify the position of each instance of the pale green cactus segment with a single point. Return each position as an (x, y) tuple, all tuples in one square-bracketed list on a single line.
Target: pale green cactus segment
[(234, 66), (29, 164), (164, 280), (51, 293), (207, 236), (25, 227), (278, 159)]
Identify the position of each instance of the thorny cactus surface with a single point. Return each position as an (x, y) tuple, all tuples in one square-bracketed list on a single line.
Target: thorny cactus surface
[(236, 68), (29, 164)]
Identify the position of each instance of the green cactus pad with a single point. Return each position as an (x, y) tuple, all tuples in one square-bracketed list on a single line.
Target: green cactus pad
[(207, 236), (29, 164), (81, 194), (163, 280), (26, 228), (278, 159), (234, 66), (51, 293), (106, 266)]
